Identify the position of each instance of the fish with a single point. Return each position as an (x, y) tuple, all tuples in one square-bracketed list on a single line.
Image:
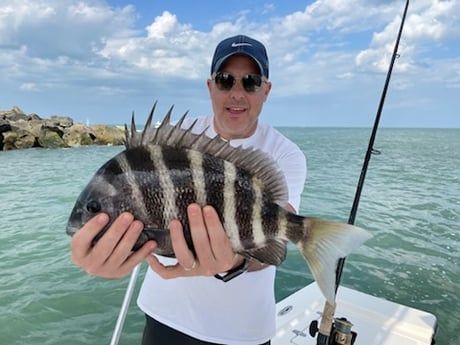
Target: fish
[(165, 168)]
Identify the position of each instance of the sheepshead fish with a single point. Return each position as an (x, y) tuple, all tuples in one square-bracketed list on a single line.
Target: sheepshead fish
[(164, 169)]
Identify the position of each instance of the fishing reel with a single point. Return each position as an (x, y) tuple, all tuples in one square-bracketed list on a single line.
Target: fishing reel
[(341, 333)]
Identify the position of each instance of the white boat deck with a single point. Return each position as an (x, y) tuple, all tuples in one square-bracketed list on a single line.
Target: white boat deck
[(375, 320)]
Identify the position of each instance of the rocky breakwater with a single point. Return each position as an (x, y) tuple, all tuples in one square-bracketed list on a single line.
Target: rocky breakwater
[(21, 131)]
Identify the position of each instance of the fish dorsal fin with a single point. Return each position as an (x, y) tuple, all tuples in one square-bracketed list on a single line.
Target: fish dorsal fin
[(256, 162), (135, 139)]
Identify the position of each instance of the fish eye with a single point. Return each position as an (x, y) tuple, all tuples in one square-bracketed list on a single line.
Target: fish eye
[(93, 206)]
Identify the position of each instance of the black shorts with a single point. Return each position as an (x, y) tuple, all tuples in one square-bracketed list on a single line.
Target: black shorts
[(156, 333)]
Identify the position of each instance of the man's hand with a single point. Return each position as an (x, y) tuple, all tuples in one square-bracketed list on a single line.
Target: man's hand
[(214, 253), (111, 256)]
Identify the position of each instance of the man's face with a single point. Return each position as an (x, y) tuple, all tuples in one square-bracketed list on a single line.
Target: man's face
[(236, 111)]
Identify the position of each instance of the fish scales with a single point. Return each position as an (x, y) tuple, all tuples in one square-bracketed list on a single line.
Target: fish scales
[(198, 174), (170, 210), (248, 197), (145, 171), (130, 165), (244, 196), (271, 220), (214, 182), (163, 170), (177, 169), (230, 217), (180, 168), (258, 233)]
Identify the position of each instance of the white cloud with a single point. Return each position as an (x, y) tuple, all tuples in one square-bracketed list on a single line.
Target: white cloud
[(427, 23), (28, 87), (167, 47), (162, 25), (61, 45), (53, 28)]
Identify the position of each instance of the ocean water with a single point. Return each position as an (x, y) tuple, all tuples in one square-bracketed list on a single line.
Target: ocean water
[(410, 202)]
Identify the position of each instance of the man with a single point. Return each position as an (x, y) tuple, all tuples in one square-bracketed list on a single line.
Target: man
[(183, 301)]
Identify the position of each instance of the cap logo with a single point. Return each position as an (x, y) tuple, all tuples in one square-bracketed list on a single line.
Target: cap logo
[(234, 44)]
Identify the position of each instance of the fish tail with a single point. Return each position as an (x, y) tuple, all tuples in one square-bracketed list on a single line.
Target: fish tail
[(323, 244)]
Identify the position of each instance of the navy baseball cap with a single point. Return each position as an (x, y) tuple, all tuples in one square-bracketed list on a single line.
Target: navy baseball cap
[(244, 45)]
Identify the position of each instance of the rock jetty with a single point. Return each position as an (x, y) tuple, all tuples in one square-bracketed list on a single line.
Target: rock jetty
[(21, 131)]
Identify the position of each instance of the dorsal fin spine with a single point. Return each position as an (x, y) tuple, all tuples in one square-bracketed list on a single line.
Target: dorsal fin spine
[(148, 125)]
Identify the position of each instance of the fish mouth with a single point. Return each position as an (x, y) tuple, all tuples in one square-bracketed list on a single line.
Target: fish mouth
[(99, 235), (71, 230)]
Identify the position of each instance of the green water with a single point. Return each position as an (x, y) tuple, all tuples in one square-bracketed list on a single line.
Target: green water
[(410, 202)]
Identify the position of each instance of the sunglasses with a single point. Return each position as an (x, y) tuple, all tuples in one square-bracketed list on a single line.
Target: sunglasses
[(225, 81)]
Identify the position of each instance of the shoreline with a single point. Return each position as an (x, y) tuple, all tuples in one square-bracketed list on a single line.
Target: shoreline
[(22, 131)]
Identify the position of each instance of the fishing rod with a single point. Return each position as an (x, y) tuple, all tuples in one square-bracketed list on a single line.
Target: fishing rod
[(327, 319)]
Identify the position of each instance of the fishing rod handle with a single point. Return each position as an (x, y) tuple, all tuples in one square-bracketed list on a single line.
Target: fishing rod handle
[(326, 319)]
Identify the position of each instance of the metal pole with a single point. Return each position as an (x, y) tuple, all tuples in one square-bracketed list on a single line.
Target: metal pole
[(125, 305), (329, 310)]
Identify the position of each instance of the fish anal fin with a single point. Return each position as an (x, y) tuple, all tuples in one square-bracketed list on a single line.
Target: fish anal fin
[(273, 253)]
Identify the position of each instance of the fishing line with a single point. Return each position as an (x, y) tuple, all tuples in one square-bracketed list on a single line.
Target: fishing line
[(328, 313)]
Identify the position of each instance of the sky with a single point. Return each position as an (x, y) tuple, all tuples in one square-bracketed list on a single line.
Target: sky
[(98, 61)]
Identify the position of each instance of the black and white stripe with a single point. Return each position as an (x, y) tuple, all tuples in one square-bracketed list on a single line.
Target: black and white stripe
[(230, 202), (179, 177), (258, 233), (198, 176), (128, 163)]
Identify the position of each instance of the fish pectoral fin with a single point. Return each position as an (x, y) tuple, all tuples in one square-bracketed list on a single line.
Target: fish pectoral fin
[(161, 236), (156, 234), (273, 253)]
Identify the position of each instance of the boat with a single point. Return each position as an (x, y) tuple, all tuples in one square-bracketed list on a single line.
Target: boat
[(373, 320)]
